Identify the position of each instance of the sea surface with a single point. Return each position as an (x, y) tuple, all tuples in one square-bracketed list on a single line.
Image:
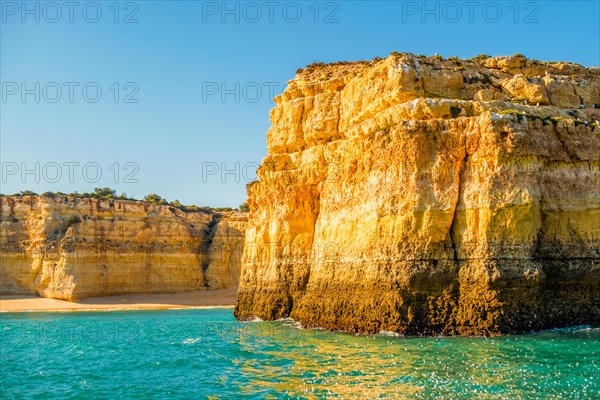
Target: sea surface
[(205, 353)]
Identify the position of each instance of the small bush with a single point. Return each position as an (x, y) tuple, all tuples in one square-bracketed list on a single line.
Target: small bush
[(455, 60), (154, 198), (480, 57), (104, 193), (26, 193)]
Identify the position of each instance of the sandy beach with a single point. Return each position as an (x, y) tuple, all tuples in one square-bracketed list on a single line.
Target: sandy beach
[(201, 298)]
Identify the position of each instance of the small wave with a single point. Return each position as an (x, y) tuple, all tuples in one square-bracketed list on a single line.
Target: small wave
[(291, 322), (253, 319), (297, 324), (191, 340), (590, 328), (573, 329), (390, 333), (285, 319)]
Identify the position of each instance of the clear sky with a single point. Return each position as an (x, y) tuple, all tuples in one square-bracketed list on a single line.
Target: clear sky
[(186, 85)]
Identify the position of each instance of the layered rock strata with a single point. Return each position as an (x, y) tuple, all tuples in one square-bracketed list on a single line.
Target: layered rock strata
[(68, 248), (429, 196)]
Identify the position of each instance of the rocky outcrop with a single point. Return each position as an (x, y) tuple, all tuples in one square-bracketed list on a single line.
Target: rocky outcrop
[(225, 250), (429, 196), (68, 248)]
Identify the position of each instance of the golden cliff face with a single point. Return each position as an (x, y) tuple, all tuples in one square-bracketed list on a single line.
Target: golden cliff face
[(68, 248), (225, 251), (424, 196)]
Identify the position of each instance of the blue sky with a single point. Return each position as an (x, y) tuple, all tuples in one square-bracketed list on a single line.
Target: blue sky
[(161, 125)]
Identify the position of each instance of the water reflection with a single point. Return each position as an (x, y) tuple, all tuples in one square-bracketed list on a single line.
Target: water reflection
[(318, 364), (207, 354)]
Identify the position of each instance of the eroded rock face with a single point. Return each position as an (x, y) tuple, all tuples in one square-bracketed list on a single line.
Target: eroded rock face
[(68, 248), (225, 251), (427, 196)]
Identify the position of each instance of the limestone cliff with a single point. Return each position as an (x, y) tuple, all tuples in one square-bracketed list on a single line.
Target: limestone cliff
[(68, 248), (225, 251), (429, 196)]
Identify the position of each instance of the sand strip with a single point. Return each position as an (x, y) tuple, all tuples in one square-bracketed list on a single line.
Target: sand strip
[(201, 298)]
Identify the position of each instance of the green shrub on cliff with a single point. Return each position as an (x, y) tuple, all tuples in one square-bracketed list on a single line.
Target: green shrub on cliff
[(455, 60), (155, 199), (25, 193), (479, 57), (104, 193), (52, 194)]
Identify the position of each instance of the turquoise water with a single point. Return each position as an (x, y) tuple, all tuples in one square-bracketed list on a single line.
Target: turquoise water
[(207, 354)]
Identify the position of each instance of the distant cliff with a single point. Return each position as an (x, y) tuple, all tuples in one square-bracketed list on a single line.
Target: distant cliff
[(67, 248), (424, 195)]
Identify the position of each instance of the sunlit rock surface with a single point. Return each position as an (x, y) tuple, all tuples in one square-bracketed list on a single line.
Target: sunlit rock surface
[(68, 248), (429, 196)]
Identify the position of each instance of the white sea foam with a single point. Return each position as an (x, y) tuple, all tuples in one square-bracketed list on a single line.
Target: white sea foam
[(253, 319), (571, 329), (390, 333)]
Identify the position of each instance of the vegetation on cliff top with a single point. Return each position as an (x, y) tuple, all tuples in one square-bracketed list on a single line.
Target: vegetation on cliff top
[(106, 193)]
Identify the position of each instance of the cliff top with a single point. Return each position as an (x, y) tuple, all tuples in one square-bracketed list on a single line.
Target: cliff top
[(514, 64), (329, 102), (75, 200), (513, 79)]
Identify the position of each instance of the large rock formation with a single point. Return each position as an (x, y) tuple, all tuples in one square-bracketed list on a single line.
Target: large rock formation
[(68, 248), (429, 196)]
